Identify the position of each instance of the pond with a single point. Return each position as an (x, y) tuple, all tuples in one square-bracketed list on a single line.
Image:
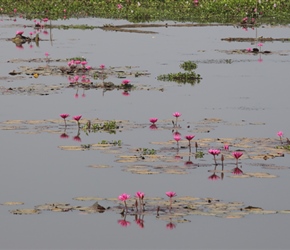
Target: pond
[(58, 172)]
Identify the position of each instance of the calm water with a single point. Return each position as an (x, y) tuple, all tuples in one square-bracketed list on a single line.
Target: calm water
[(35, 171)]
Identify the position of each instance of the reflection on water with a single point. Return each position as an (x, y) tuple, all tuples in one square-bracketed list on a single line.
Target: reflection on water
[(235, 109)]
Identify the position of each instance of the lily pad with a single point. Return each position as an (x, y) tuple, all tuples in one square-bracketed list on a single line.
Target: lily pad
[(25, 211), (12, 203)]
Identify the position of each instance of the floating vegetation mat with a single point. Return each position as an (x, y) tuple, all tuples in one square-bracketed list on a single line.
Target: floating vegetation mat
[(181, 208)]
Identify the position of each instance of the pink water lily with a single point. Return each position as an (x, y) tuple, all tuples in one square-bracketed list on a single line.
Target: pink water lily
[(77, 117), (214, 151), (64, 116), (102, 66), (19, 32), (189, 137), (153, 120), (177, 137), (140, 195), (176, 114), (46, 54), (126, 81), (123, 197), (280, 134), (237, 155), (226, 147), (170, 194), (84, 63)]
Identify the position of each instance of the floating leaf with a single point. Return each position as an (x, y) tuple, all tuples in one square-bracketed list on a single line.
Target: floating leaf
[(12, 203), (25, 211)]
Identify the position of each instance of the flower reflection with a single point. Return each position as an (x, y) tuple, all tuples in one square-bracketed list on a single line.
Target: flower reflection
[(170, 225), (214, 177), (237, 171), (153, 127), (64, 136), (124, 223), (125, 93), (77, 138), (139, 220)]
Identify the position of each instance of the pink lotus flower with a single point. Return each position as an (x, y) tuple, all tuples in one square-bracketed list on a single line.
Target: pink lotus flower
[(102, 66), (259, 44), (77, 118), (237, 171), (170, 194), (140, 195), (153, 120), (84, 63), (119, 6), (124, 197), (280, 134), (237, 154), (214, 151), (64, 116), (19, 32), (30, 33), (46, 54), (76, 78), (177, 137), (15, 10), (88, 67), (126, 81), (189, 137), (214, 177), (176, 114), (226, 147), (249, 49), (45, 19), (77, 62)]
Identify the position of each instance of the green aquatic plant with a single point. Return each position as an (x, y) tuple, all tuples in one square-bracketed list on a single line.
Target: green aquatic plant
[(183, 77), (147, 151), (188, 66), (115, 143), (107, 126), (222, 11)]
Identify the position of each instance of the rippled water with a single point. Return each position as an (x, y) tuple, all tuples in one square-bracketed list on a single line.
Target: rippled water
[(250, 98)]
